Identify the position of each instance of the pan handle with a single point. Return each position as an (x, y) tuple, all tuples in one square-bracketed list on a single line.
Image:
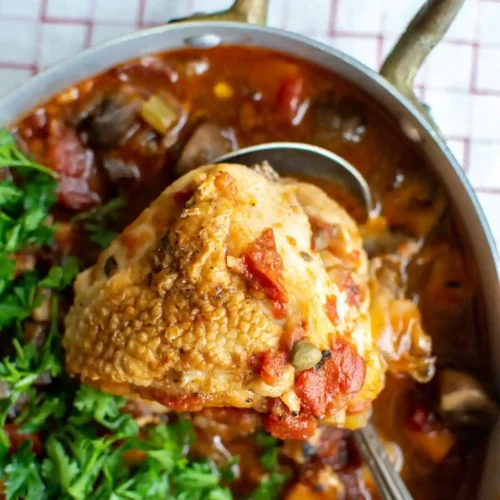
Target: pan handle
[(422, 34), (243, 11)]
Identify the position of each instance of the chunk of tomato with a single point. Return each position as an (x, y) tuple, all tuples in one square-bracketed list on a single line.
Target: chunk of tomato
[(345, 370), (310, 387), (342, 373), (281, 424), (289, 99), (264, 265)]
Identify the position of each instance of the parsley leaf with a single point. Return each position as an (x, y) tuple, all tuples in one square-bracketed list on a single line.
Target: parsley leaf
[(269, 457), (10, 195), (23, 476), (104, 409), (60, 277), (23, 218), (96, 222), (270, 487), (10, 156), (272, 484), (90, 447)]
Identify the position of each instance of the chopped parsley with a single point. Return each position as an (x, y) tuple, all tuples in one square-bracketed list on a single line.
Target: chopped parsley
[(96, 222), (59, 439), (272, 484), (10, 156)]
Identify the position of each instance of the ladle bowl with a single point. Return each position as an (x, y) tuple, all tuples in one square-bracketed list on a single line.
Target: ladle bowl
[(299, 159)]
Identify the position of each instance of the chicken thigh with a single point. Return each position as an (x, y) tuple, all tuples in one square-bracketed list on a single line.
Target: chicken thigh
[(235, 289)]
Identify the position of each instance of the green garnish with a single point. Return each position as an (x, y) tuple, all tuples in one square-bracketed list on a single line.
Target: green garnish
[(79, 443), (96, 222), (10, 156), (87, 444), (272, 484), (270, 487)]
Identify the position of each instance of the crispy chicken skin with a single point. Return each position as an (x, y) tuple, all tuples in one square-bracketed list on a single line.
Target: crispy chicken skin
[(203, 300)]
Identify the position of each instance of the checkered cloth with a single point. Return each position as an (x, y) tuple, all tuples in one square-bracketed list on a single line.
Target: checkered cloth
[(460, 81)]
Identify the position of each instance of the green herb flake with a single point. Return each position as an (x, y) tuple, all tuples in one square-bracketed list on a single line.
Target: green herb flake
[(96, 222), (86, 438)]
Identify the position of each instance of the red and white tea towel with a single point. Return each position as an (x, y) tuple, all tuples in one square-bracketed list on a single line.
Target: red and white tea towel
[(460, 81)]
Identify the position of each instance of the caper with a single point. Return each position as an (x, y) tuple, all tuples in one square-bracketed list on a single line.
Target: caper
[(305, 355)]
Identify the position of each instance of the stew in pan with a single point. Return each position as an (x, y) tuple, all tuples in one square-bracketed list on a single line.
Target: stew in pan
[(83, 166)]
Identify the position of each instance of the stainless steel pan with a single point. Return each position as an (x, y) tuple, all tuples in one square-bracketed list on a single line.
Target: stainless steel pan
[(392, 89)]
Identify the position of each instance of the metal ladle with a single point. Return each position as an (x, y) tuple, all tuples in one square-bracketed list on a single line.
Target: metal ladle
[(296, 158), (291, 158)]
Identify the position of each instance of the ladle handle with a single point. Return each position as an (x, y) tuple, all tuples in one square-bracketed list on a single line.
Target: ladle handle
[(388, 481), (422, 34)]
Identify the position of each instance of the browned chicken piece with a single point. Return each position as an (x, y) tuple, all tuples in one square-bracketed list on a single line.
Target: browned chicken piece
[(233, 290)]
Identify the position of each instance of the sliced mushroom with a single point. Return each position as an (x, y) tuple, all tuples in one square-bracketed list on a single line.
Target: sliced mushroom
[(109, 117), (463, 400), (208, 141)]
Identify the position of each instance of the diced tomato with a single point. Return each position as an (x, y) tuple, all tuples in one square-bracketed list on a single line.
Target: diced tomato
[(290, 97), (342, 373), (310, 387), (280, 309), (274, 365), (331, 309), (290, 336), (182, 197), (264, 265), (345, 369), (17, 438), (281, 424)]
